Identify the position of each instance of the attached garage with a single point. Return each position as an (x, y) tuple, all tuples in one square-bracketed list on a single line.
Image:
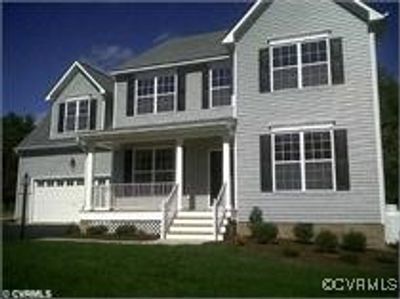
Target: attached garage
[(56, 200)]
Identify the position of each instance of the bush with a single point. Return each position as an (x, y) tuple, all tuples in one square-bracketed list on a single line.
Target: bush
[(240, 240), (73, 230), (354, 241), (386, 258), (96, 230), (290, 252), (304, 232), (230, 232), (265, 232), (350, 258), (326, 241), (125, 230), (256, 216)]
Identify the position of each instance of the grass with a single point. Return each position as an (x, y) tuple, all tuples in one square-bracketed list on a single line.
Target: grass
[(211, 270)]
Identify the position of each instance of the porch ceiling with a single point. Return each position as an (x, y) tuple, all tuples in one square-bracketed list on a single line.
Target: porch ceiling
[(216, 127)]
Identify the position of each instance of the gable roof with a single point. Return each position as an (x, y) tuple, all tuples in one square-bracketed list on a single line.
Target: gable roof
[(357, 7), (179, 50), (39, 138), (102, 81)]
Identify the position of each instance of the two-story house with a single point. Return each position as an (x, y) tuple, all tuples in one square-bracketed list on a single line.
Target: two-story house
[(279, 112)]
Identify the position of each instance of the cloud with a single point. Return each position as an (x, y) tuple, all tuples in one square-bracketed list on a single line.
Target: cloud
[(108, 56), (161, 37)]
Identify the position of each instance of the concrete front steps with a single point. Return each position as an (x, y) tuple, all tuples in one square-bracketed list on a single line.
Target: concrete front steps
[(193, 225)]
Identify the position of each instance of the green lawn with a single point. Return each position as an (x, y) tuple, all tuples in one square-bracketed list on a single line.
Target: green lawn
[(72, 269)]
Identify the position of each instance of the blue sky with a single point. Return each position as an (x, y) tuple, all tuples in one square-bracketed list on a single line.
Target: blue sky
[(40, 41)]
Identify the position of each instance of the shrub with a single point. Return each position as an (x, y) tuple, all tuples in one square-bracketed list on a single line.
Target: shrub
[(265, 232), (142, 235), (73, 230), (350, 258), (354, 241), (386, 258), (290, 252), (125, 230), (230, 232), (326, 241), (96, 230), (240, 240), (304, 232), (256, 216)]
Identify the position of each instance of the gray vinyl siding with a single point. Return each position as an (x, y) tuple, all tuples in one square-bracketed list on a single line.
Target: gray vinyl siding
[(53, 166), (349, 105), (78, 86), (193, 110)]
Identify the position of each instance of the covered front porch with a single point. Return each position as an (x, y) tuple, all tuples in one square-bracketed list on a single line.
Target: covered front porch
[(158, 173)]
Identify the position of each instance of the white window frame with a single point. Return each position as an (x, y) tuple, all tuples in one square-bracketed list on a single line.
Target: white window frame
[(301, 131), (153, 170), (298, 42), (77, 100), (156, 94), (212, 88)]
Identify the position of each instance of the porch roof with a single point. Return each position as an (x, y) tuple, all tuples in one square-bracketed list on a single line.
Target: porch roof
[(166, 131)]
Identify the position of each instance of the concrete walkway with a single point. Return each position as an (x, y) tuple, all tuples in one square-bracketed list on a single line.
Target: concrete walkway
[(124, 242)]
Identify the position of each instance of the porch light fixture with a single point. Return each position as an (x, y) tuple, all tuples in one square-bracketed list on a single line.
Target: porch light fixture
[(72, 163)]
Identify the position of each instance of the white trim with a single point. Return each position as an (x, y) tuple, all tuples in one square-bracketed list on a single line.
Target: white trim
[(373, 15), (327, 126), (377, 117), (119, 215), (170, 65), (103, 114), (302, 162), (273, 162), (235, 174), (299, 66), (76, 64), (235, 84), (300, 39), (78, 101), (333, 157)]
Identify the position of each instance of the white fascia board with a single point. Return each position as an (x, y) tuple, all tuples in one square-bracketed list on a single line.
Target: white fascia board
[(373, 15), (76, 64), (230, 37), (168, 65)]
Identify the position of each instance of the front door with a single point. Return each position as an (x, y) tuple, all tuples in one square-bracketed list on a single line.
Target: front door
[(215, 175)]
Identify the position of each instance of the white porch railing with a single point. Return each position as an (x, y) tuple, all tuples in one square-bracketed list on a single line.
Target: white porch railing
[(169, 209), (219, 211), (130, 196)]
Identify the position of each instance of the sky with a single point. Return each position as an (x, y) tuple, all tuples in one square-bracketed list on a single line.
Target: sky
[(40, 41)]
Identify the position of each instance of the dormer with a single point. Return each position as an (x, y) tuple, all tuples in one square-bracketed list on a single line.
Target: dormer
[(81, 101)]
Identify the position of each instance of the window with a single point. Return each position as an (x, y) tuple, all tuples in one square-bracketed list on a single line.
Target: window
[(145, 96), (154, 165), (285, 67), (307, 154), (300, 64), (156, 94), (221, 86), (77, 115)]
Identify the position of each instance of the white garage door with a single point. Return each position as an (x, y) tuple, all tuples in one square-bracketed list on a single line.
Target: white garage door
[(57, 200)]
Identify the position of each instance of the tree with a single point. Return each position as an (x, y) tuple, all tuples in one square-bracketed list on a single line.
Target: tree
[(15, 128), (389, 102)]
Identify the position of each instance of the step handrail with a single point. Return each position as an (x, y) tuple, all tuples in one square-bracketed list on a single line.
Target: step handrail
[(219, 211), (169, 209)]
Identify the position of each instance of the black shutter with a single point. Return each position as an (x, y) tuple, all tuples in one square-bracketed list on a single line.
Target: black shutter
[(130, 97), (265, 163), (61, 115), (342, 160), (128, 166), (205, 102), (264, 70), (93, 114), (181, 90), (337, 67)]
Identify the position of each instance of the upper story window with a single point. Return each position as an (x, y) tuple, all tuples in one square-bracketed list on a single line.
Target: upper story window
[(156, 94), (221, 86), (77, 115), (300, 63)]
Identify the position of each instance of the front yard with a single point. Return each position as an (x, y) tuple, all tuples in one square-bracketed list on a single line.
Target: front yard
[(113, 270)]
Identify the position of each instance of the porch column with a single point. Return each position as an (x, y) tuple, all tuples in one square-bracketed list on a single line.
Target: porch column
[(179, 170), (89, 174), (226, 169)]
